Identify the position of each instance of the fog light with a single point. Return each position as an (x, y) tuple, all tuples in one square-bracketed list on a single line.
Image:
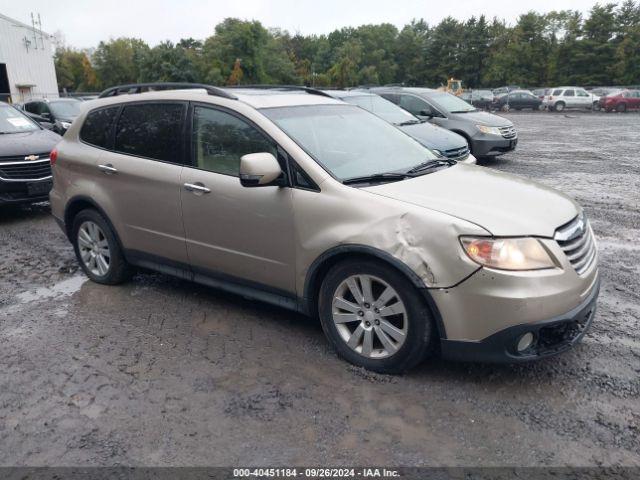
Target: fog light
[(525, 342)]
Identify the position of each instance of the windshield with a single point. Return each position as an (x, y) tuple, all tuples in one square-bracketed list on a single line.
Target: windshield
[(65, 109), (14, 121), (348, 141), (385, 109), (450, 102)]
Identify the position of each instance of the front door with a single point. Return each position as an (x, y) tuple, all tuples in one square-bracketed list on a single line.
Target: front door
[(234, 232)]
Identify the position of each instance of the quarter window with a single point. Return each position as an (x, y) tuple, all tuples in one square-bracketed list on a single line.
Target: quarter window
[(220, 139), (151, 130), (97, 127)]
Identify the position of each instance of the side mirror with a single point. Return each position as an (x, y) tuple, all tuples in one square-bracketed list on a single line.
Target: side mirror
[(259, 169), (426, 113), (46, 116)]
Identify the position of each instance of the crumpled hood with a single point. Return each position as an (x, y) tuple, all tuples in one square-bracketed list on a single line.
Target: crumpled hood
[(28, 143), (503, 204), (432, 136), (483, 118)]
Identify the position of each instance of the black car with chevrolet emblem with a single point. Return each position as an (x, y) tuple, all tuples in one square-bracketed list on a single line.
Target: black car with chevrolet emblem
[(25, 171)]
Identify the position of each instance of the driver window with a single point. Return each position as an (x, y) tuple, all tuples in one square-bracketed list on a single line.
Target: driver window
[(414, 104), (220, 139)]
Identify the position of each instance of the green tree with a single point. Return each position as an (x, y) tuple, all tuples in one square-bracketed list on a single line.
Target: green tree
[(120, 61)]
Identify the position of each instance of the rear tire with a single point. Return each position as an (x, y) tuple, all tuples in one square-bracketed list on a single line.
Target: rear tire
[(559, 107), (374, 317), (98, 250)]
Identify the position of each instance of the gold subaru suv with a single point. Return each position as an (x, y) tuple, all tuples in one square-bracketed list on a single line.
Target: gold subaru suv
[(288, 196)]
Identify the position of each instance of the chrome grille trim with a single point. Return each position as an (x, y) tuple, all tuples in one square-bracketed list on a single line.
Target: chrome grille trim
[(457, 153), (578, 243), (25, 171), (508, 132)]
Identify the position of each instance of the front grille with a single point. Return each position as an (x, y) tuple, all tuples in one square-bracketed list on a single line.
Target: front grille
[(508, 132), (577, 242), (25, 170), (457, 153)]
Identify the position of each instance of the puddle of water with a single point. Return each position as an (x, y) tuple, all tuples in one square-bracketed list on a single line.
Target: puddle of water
[(62, 289)]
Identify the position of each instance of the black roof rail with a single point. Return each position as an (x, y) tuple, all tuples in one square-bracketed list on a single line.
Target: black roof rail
[(309, 90), (154, 86)]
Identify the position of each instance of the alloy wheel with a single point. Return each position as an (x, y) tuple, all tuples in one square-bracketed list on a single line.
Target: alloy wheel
[(370, 316), (94, 248)]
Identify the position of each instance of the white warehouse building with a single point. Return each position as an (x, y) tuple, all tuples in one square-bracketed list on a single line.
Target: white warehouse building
[(26, 62)]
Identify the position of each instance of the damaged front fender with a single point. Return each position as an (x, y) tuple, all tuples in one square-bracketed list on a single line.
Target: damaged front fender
[(423, 240)]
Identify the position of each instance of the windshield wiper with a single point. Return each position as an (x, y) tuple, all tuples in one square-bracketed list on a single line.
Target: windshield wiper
[(430, 164), (464, 111), (409, 122), (377, 178)]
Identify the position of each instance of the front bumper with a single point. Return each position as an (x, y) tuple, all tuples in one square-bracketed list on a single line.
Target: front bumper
[(551, 337), (19, 192), (491, 145)]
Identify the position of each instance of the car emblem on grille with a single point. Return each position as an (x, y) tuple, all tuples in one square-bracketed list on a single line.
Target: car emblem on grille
[(31, 158)]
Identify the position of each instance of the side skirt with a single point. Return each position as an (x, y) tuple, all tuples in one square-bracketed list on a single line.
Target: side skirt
[(221, 281)]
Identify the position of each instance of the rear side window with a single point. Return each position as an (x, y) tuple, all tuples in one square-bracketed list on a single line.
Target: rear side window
[(98, 126), (151, 130), (557, 93)]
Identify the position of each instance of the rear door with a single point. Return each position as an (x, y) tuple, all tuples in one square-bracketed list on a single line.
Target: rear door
[(140, 180), (234, 232)]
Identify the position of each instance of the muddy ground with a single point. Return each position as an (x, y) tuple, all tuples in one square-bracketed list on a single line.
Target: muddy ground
[(164, 372)]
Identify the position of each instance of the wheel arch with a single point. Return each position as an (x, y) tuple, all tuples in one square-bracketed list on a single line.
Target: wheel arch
[(321, 266), (75, 206)]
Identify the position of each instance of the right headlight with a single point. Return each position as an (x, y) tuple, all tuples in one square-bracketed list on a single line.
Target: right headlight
[(489, 130), (507, 253)]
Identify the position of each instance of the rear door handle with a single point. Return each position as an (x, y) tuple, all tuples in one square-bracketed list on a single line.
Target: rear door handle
[(196, 188), (108, 168)]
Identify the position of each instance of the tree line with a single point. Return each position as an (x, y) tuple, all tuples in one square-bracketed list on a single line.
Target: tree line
[(540, 49)]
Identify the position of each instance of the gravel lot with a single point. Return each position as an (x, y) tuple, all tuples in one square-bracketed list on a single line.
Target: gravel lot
[(164, 372)]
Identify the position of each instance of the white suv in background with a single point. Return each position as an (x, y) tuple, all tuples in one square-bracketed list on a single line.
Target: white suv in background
[(560, 98)]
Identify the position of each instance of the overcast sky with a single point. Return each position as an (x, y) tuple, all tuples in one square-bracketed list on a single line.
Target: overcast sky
[(84, 23)]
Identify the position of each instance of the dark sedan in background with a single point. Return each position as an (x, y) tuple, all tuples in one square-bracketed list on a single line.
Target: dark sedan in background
[(25, 171), (488, 135), (517, 100), (58, 112), (440, 140)]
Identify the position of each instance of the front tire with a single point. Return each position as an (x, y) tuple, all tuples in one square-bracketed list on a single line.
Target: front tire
[(374, 317), (98, 250)]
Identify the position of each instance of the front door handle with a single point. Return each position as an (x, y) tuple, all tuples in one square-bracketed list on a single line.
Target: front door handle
[(108, 169), (196, 188)]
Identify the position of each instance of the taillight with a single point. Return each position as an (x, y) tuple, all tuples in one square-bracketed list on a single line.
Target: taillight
[(53, 156)]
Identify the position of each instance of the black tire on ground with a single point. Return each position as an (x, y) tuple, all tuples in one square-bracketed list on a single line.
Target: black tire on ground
[(596, 106), (621, 107), (119, 269), (559, 107), (420, 325)]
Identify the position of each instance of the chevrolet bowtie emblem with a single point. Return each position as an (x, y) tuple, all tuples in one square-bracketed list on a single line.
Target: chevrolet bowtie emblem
[(32, 157)]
